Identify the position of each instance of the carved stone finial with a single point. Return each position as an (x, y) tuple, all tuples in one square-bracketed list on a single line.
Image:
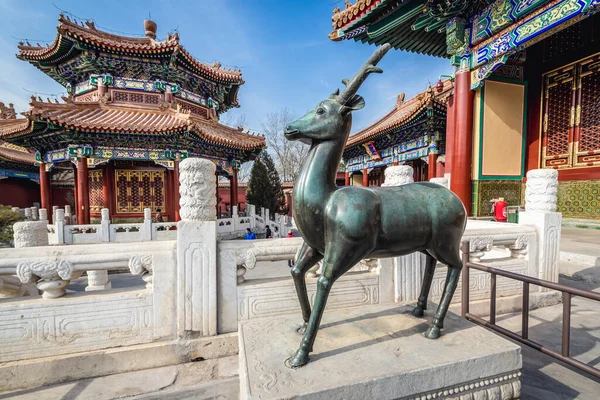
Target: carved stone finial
[(197, 189), (105, 214), (398, 175), (541, 190)]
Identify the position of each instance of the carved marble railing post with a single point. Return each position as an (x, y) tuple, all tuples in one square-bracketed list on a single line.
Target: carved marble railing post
[(397, 175), (478, 246), (27, 214), (147, 230), (54, 208), (43, 215), (59, 224), (105, 224), (197, 249), (68, 215), (30, 233), (441, 181), (35, 213), (540, 211)]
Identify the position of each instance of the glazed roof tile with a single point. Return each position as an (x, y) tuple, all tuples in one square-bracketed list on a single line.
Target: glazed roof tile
[(70, 30), (401, 114), (11, 152), (120, 118)]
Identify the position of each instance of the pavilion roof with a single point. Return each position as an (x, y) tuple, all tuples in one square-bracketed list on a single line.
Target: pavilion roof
[(405, 24), (14, 153), (401, 114), (70, 33), (94, 116)]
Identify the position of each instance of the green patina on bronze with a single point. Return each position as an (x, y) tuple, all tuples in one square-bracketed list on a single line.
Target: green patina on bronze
[(343, 225)]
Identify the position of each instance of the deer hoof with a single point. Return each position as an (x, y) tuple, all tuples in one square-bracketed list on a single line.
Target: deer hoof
[(433, 332), (302, 329), (299, 359), (417, 312)]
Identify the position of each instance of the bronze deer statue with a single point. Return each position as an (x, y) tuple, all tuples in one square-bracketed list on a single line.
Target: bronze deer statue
[(343, 225)]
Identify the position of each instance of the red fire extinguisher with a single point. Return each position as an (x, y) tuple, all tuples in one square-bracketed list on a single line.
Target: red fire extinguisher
[(500, 210)]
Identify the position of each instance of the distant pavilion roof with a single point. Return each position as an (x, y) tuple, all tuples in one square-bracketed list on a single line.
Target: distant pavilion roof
[(96, 117), (403, 113), (14, 153), (80, 50)]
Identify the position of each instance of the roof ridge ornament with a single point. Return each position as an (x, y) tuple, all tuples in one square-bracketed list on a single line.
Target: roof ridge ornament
[(150, 29)]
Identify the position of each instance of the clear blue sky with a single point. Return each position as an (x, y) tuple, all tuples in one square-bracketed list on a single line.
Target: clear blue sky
[(282, 47)]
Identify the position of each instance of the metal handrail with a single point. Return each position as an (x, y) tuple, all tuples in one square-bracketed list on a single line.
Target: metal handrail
[(567, 294)]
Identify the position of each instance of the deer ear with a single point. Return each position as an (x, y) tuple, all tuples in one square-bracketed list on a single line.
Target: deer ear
[(355, 102), (335, 94)]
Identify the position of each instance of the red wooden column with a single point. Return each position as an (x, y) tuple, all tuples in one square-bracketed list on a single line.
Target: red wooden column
[(45, 192), (431, 165), (347, 178), (460, 180), (83, 192), (450, 120), (365, 177), (234, 189), (176, 194), (108, 187)]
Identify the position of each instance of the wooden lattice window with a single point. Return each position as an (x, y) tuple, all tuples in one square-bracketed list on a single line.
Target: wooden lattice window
[(193, 108), (571, 118), (135, 97), (136, 190), (95, 186)]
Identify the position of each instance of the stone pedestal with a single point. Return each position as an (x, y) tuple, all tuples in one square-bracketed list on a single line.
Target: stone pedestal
[(97, 280), (377, 352), (398, 175), (30, 234)]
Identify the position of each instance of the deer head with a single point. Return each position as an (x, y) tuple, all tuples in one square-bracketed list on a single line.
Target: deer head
[(332, 117)]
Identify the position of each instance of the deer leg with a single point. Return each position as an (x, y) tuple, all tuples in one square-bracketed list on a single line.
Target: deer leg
[(437, 323), (307, 258), (427, 279)]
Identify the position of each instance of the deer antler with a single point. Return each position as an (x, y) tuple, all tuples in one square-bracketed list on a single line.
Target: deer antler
[(369, 67)]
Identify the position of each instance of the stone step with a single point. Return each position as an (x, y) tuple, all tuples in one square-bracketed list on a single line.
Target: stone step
[(193, 380)]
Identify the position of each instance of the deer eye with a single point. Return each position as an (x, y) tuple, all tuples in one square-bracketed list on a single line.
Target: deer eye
[(320, 110)]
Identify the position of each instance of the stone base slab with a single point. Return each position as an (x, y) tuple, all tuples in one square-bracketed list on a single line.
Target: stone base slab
[(65, 368), (377, 352)]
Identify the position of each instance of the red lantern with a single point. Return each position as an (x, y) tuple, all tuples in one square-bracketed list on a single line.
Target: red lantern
[(439, 86)]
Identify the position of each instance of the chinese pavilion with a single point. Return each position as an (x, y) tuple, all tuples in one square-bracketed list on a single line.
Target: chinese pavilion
[(413, 132), (135, 108), (18, 173), (525, 91)]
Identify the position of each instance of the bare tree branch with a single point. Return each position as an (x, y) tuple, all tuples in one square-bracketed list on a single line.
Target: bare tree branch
[(288, 155)]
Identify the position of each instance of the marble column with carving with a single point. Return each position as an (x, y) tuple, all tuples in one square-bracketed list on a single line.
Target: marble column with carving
[(397, 175), (197, 249), (540, 211)]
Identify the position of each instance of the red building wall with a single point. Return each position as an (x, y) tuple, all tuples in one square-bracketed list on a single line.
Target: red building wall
[(225, 198), (19, 192)]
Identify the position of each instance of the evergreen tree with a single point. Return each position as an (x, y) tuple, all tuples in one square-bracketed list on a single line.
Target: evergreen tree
[(276, 197), (259, 187)]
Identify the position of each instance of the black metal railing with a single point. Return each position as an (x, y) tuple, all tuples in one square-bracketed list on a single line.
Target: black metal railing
[(567, 294)]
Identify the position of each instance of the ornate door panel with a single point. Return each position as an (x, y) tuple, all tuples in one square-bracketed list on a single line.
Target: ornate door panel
[(587, 132), (96, 195), (136, 190), (559, 118)]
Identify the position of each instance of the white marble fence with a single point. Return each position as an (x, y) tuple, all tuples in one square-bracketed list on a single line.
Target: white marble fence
[(196, 286)]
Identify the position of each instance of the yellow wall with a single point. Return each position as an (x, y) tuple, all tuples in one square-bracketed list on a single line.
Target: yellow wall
[(502, 130)]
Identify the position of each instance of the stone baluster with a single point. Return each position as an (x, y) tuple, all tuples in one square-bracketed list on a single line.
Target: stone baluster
[(240, 272), (105, 224), (68, 216), (59, 224), (540, 211), (197, 249), (478, 246), (30, 234), (396, 175), (43, 215), (27, 214), (54, 208), (235, 213), (35, 213), (267, 216), (147, 229), (97, 280), (262, 212)]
